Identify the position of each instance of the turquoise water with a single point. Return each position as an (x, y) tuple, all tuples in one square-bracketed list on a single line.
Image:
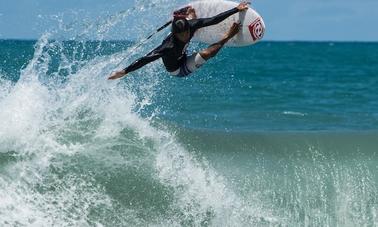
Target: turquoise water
[(276, 134)]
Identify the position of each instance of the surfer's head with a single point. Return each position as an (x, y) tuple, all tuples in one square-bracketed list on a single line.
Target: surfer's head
[(179, 25), (180, 28)]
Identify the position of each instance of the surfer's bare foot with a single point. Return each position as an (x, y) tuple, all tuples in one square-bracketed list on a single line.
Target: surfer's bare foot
[(232, 31), (191, 13)]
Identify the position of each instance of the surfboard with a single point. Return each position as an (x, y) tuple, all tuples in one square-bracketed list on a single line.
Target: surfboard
[(253, 26)]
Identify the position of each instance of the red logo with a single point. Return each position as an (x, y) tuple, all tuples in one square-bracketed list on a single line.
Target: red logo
[(256, 29)]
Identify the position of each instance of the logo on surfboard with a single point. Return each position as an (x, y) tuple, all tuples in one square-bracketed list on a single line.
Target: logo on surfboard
[(256, 29)]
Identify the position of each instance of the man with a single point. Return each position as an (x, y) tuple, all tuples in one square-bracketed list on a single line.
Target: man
[(173, 48)]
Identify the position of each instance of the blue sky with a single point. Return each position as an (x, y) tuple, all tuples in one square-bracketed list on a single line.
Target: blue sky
[(286, 20)]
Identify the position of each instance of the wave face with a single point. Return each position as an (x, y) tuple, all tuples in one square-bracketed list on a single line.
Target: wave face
[(256, 143)]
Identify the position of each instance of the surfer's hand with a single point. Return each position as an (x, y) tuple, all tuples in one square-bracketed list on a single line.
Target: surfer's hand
[(243, 6), (116, 75)]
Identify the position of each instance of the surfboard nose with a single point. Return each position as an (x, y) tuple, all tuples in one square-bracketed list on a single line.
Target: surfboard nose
[(252, 30)]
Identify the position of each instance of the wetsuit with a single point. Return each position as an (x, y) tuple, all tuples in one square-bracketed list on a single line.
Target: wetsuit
[(172, 50)]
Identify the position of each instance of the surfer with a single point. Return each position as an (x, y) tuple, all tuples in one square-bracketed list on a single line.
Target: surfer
[(173, 48)]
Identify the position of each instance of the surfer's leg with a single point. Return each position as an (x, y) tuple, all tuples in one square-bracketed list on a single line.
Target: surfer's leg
[(192, 64), (213, 49)]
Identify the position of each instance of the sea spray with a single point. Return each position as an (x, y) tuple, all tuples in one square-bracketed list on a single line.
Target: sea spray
[(277, 143), (47, 127)]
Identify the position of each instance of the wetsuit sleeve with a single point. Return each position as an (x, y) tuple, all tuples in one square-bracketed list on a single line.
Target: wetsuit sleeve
[(203, 22), (150, 57)]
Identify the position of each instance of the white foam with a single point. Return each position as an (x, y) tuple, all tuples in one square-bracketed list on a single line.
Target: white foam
[(35, 122), (5, 87), (294, 113)]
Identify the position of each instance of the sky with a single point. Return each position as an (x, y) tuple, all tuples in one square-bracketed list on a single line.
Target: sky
[(314, 20)]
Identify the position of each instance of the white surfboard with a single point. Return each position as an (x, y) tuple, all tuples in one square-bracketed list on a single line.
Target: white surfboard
[(253, 26)]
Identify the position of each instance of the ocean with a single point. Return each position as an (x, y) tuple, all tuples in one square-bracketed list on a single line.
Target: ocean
[(275, 134)]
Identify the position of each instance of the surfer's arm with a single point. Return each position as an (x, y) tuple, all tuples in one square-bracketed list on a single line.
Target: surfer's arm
[(150, 57), (204, 22)]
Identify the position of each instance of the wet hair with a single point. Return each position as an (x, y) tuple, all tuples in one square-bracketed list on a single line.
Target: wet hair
[(179, 25)]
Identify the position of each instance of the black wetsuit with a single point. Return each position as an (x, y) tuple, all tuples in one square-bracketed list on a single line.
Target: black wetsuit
[(172, 50)]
